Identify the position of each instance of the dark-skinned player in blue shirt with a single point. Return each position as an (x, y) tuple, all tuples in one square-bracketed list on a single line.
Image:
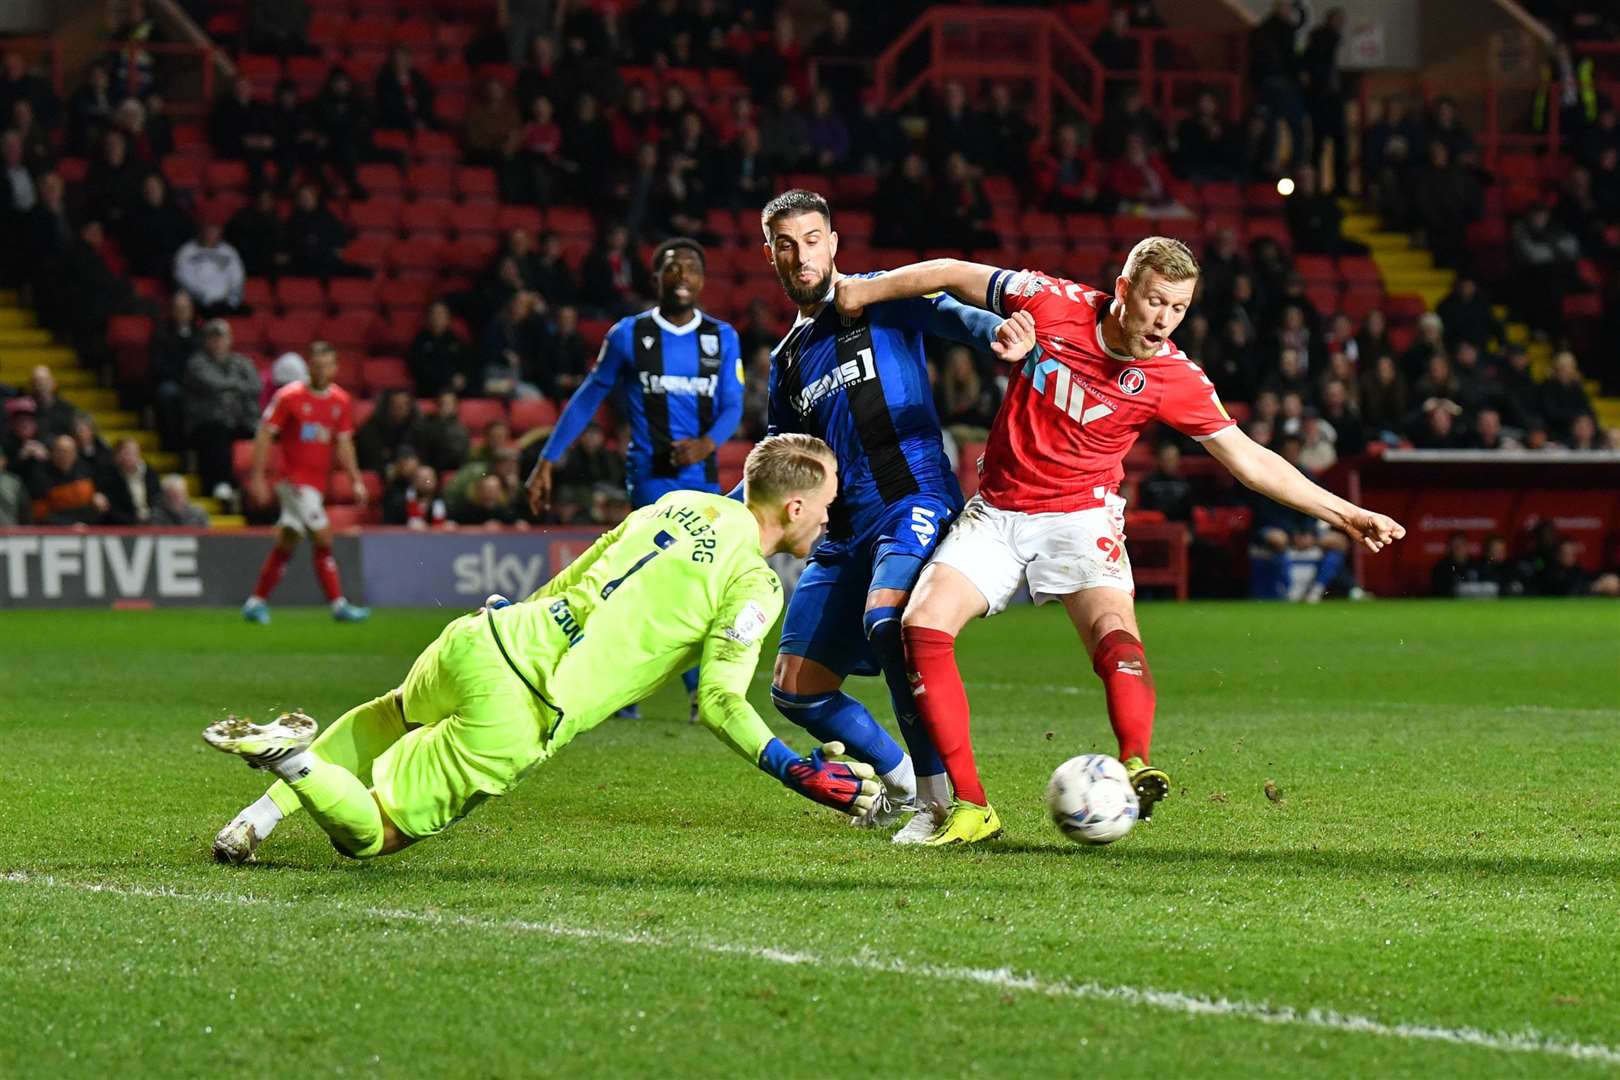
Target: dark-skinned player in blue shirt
[(862, 386)]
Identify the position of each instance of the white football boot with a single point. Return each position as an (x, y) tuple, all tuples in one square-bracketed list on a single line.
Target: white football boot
[(923, 824), (261, 745)]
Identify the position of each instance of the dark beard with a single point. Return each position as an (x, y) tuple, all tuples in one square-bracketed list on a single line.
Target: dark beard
[(804, 295)]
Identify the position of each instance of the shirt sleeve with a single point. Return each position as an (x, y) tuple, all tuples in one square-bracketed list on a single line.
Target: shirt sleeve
[(570, 575), (1027, 290), (729, 393), (749, 608), (1191, 405), (942, 315), (611, 362), (275, 413), (778, 417)]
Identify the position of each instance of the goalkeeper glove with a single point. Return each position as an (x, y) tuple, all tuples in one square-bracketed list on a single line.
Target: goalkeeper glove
[(849, 787)]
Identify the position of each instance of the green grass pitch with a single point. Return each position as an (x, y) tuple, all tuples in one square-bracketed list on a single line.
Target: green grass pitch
[(1437, 893)]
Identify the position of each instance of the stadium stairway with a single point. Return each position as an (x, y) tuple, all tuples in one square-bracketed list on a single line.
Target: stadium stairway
[(1410, 274), (24, 345)]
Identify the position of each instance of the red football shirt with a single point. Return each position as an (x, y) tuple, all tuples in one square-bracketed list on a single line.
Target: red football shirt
[(308, 422), (1076, 407)]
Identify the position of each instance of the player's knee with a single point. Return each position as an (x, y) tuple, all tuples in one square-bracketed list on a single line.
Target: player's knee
[(882, 626)]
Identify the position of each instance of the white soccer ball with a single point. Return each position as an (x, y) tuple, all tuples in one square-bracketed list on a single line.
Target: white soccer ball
[(1091, 799)]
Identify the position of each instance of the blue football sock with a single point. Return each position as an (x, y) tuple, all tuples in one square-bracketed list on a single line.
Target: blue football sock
[(883, 631), (837, 717), (1331, 566), (689, 679)]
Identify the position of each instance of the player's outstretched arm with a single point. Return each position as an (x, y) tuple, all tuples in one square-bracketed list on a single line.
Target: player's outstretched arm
[(1258, 468), (730, 655), (576, 417), (967, 281)]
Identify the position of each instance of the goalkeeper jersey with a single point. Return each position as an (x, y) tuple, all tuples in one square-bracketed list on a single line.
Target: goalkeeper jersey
[(679, 582)]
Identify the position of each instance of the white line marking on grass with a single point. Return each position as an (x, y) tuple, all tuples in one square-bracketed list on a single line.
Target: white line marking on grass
[(1528, 1041)]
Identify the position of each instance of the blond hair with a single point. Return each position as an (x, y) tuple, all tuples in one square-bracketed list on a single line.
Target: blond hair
[(1164, 255), (781, 466)]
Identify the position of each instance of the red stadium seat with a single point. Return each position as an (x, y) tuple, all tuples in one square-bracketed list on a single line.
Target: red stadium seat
[(363, 407), (293, 331), (477, 184), (1040, 225), (394, 334), (416, 32), (478, 413), (297, 293), (381, 179), (184, 173), (431, 180), (352, 292), (428, 214), (471, 253), (435, 148), (225, 175), (372, 30), (1316, 268), (423, 251), (370, 249), (258, 293), (350, 331), (1360, 270), (379, 214), (527, 415), (386, 373), (521, 217), (1223, 196), (570, 221), (1404, 307)]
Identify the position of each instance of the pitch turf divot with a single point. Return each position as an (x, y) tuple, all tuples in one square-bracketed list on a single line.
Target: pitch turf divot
[(1528, 1041)]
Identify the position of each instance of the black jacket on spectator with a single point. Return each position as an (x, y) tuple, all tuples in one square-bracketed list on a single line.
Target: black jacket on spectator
[(256, 236), (312, 240), (1171, 496), (403, 105), (152, 234), (1559, 404), (435, 359), (121, 509)]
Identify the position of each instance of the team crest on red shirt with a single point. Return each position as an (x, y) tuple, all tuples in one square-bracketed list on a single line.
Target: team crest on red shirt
[(1132, 381)]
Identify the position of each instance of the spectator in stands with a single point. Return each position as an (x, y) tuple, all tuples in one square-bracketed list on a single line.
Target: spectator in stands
[(173, 342), (393, 424), (340, 133), (1565, 576), (1445, 199), (312, 238), (221, 406), (1314, 217), (255, 232), (875, 135), (590, 150), (614, 281), (149, 132), (17, 189), (587, 465), (90, 109), (1115, 47), (540, 73), (1446, 127), (277, 26), (414, 501), (492, 132), (175, 508), (961, 210), (549, 274), (297, 138), (1562, 397), (289, 367), (1324, 95), (241, 129), (901, 205), (93, 449), (1204, 148), (1166, 489), (1466, 314), (967, 402), (1274, 73), (441, 437), (111, 179), (130, 488), (1584, 435), (568, 356), (18, 83), (827, 132), (63, 487), (37, 148), (1440, 385), (1384, 399), (1008, 134), (1140, 181), (745, 176), (954, 125), (1293, 556), (513, 349), (1544, 256), (1128, 115), (16, 505), (154, 229), (404, 97), (488, 504), (46, 232), (52, 414), (1436, 427), (1430, 340), (1488, 434), (1350, 434), (1511, 389), (1290, 377), (540, 143), (211, 270), (440, 359), (1493, 567), (785, 131), (1233, 363), (1372, 339)]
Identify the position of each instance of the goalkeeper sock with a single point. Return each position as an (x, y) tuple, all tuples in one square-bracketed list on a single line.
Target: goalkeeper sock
[(1122, 666), (354, 740), (943, 704), (264, 813), (338, 802), (837, 717)]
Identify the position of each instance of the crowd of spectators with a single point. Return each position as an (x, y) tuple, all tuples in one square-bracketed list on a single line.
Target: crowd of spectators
[(569, 127)]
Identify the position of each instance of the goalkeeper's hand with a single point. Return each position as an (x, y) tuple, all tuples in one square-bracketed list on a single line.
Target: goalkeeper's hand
[(850, 787)]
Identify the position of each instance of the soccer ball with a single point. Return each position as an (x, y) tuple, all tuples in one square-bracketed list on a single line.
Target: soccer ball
[(1091, 799)]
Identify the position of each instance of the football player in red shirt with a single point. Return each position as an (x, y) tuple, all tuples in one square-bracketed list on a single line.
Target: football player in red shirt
[(313, 421), (1048, 510)]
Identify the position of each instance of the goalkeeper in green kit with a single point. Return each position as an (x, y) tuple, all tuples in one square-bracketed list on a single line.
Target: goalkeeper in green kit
[(681, 581)]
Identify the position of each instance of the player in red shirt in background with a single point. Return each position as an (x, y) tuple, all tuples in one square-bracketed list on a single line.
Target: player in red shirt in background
[(1048, 511), (313, 420)]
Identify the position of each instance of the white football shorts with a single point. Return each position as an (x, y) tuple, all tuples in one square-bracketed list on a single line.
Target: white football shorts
[(1057, 554), (303, 508)]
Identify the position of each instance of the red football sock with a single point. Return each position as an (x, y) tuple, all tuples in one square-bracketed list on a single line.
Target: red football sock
[(275, 564), (326, 570), (1121, 665), (936, 686)]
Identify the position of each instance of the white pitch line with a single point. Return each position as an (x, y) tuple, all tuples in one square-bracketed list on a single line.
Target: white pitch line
[(1528, 1041)]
